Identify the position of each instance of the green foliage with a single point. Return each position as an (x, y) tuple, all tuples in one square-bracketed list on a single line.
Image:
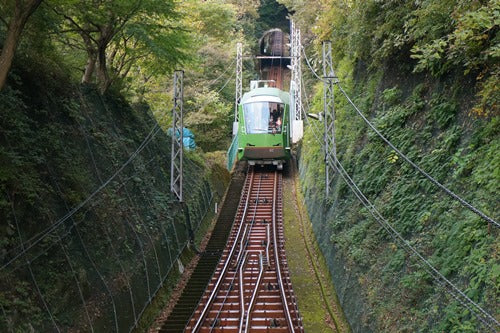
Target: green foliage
[(51, 162), (391, 96), (442, 112), (404, 63), (60, 141), (429, 56), (210, 120)]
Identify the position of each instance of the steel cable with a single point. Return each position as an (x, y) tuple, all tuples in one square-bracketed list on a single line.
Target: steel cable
[(30, 268), (436, 275), (414, 165), (243, 247), (66, 254), (450, 287), (73, 227), (77, 281), (141, 221), (101, 277), (222, 74), (34, 240), (113, 249), (124, 272)]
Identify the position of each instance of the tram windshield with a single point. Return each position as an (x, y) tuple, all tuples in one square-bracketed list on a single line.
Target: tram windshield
[(263, 117)]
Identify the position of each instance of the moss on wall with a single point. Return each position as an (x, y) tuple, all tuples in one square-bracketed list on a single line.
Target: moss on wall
[(102, 264), (380, 286)]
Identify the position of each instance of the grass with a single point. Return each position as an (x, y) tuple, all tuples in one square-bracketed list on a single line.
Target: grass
[(316, 297)]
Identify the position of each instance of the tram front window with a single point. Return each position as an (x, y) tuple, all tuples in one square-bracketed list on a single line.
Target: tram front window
[(263, 117)]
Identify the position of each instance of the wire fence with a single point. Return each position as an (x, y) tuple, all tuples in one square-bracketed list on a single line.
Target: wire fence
[(453, 288), (98, 267)]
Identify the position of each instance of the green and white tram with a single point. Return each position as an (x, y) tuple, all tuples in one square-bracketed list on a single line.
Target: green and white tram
[(264, 127)]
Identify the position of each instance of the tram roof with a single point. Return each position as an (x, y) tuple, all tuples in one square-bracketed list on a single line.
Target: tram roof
[(266, 91)]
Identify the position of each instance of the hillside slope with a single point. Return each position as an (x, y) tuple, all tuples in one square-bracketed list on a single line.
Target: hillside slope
[(89, 230), (441, 110)]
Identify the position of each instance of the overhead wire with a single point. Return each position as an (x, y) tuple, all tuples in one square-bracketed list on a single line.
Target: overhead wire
[(310, 66), (483, 315), (34, 240), (486, 318), (223, 73), (406, 158), (202, 107), (435, 274), (416, 167)]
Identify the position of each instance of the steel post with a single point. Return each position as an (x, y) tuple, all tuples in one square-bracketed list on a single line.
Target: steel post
[(239, 72), (177, 136), (329, 80), (296, 83)]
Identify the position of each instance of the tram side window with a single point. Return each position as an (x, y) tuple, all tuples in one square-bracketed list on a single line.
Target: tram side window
[(263, 117)]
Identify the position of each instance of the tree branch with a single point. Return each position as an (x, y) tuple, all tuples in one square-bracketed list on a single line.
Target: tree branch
[(81, 30)]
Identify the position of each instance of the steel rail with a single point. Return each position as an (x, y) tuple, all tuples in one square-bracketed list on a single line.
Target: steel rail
[(255, 292), (224, 270), (242, 294), (276, 258), (245, 314), (244, 263), (226, 265), (239, 261), (240, 253), (268, 234)]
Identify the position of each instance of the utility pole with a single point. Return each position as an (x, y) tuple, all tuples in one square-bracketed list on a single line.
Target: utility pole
[(239, 90), (296, 83), (329, 79), (177, 144)]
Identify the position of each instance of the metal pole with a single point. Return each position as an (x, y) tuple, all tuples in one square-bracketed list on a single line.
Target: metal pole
[(239, 72), (177, 128), (296, 84), (329, 115), (297, 71)]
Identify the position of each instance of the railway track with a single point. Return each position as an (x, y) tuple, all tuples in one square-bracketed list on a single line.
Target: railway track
[(180, 315), (250, 290)]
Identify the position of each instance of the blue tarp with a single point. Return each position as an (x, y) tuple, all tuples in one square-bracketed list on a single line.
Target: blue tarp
[(188, 138)]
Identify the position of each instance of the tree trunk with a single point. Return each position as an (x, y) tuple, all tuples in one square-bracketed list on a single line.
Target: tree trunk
[(90, 67), (22, 12), (91, 57), (103, 78)]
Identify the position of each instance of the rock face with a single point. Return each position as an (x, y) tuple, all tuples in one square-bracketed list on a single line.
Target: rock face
[(380, 286), (86, 194)]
